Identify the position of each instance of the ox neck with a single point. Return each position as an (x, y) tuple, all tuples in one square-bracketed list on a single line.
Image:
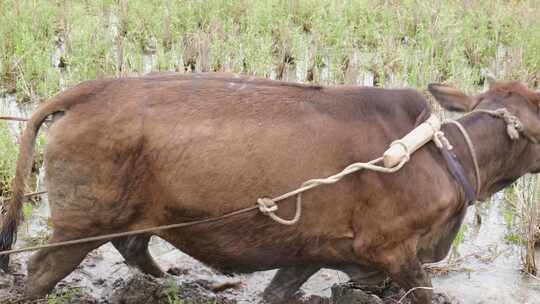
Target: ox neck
[(498, 156)]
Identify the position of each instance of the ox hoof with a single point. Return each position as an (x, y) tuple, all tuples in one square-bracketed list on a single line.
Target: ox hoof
[(349, 293), (4, 263), (276, 297), (441, 298)]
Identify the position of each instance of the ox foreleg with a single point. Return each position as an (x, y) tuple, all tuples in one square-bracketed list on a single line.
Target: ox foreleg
[(412, 277), (134, 249), (286, 283), (364, 276), (403, 266)]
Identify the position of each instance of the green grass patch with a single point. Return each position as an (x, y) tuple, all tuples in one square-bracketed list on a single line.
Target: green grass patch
[(8, 159), (406, 41), (172, 289), (460, 236), (68, 297)]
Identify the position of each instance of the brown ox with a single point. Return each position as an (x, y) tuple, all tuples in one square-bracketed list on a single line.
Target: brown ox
[(132, 153)]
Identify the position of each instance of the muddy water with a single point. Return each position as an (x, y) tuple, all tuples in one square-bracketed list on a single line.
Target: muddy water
[(10, 107), (490, 271)]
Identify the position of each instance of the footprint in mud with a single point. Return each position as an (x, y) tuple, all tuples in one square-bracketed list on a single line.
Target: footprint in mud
[(144, 289)]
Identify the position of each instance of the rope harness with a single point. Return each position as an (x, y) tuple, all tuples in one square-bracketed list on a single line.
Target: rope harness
[(269, 206), (513, 128), (472, 151)]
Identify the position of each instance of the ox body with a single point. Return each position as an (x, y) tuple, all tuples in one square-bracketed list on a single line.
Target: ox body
[(133, 153)]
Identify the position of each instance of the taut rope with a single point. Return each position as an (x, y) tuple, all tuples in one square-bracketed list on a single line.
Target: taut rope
[(13, 118), (2, 199), (268, 205)]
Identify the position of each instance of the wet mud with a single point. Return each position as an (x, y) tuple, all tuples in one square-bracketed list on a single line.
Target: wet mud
[(181, 287)]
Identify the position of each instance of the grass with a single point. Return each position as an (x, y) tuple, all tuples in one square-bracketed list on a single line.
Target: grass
[(510, 216), (8, 158), (406, 42), (530, 224), (67, 297), (172, 289), (460, 236), (525, 220), (454, 255), (9, 151), (27, 35)]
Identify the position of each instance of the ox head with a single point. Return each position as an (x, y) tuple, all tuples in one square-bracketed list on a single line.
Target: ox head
[(512, 95)]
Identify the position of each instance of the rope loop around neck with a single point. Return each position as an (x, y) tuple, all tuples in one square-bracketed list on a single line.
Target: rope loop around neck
[(513, 128), (470, 146)]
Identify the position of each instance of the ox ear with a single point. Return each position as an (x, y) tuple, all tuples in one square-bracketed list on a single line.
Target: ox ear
[(451, 98)]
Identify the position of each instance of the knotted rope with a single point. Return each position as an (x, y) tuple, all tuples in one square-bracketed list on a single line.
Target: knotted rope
[(513, 124), (268, 206)]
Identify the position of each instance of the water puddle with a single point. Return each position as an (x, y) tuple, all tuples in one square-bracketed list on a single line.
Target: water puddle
[(490, 269), (10, 107)]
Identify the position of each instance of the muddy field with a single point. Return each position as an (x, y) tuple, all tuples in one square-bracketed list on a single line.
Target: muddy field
[(482, 269), (104, 278)]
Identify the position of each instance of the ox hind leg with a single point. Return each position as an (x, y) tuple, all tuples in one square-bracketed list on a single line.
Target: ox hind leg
[(134, 249), (50, 265), (286, 283)]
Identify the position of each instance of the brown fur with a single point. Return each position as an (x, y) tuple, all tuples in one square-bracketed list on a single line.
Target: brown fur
[(141, 152), (504, 88)]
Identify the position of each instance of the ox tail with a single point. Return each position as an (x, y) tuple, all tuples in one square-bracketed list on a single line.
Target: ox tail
[(11, 212)]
